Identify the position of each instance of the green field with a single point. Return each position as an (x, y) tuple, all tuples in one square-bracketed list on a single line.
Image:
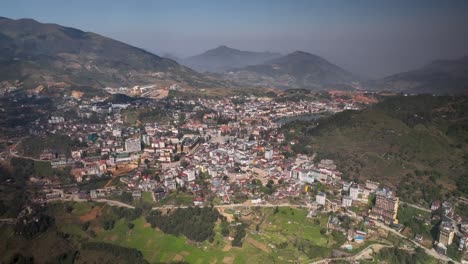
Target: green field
[(147, 197), (159, 247), (272, 236), (177, 199), (274, 242), (289, 223)]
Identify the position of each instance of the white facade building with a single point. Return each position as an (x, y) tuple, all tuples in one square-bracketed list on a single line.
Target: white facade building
[(268, 154), (190, 175), (320, 198), (133, 145), (347, 201), (354, 192)]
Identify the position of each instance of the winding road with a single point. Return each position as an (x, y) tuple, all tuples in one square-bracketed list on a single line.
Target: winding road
[(366, 252), (430, 252)]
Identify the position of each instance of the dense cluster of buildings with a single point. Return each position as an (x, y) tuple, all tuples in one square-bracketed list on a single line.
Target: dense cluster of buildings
[(222, 151), (233, 142), (452, 229)]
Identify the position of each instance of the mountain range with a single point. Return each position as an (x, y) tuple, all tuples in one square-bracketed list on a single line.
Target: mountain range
[(295, 70), (438, 77), (36, 53), (225, 58)]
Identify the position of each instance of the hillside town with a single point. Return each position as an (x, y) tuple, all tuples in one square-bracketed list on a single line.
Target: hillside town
[(218, 152), (305, 132)]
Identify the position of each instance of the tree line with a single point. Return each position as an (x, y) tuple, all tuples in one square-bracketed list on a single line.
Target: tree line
[(127, 255), (194, 222), (34, 223), (399, 256)]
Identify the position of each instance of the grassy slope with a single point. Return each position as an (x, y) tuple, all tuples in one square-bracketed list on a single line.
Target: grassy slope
[(156, 246), (146, 197), (264, 246)]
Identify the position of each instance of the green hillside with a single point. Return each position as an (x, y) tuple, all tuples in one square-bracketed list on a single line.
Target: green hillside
[(418, 144)]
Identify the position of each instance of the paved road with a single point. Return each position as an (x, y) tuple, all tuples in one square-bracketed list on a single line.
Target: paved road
[(14, 154), (361, 255), (24, 157), (430, 252), (417, 207), (109, 202), (117, 203), (230, 206)]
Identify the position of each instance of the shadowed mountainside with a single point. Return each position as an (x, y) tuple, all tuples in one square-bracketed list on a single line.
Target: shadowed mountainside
[(36, 53), (439, 77)]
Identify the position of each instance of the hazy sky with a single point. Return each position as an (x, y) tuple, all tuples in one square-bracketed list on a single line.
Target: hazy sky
[(372, 38)]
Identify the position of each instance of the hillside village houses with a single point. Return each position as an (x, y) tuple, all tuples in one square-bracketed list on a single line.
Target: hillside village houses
[(238, 158), (222, 155)]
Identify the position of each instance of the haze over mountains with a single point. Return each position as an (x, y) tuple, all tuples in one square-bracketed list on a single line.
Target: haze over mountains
[(225, 58), (438, 77), (304, 70), (295, 70), (37, 53)]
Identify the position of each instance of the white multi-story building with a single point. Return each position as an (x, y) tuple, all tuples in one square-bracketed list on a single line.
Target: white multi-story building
[(347, 201), (307, 177), (190, 174), (268, 154), (346, 186), (354, 191), (133, 145), (146, 139), (320, 198)]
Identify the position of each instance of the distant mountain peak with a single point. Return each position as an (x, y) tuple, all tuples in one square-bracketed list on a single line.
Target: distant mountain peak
[(221, 47), (299, 52), (27, 20), (221, 50), (298, 69), (302, 55), (224, 58)]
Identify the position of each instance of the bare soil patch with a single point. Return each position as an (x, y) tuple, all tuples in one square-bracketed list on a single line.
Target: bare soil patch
[(257, 244), (91, 215), (228, 260), (227, 247), (178, 257)]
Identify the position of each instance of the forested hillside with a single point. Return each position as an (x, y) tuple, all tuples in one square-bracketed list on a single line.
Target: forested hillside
[(417, 144)]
